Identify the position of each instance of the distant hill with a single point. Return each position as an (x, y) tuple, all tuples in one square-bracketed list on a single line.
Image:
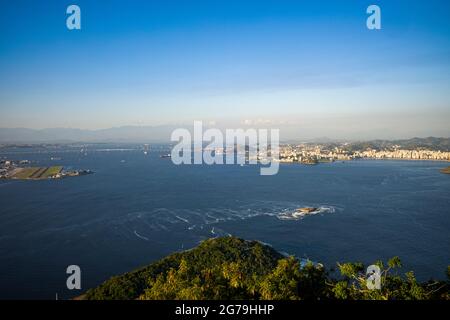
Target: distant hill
[(145, 134), (430, 143), (252, 256), (67, 135), (231, 268)]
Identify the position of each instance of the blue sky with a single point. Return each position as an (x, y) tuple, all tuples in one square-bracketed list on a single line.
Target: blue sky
[(309, 64)]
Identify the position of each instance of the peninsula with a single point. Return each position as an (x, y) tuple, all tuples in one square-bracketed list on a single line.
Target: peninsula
[(10, 170)]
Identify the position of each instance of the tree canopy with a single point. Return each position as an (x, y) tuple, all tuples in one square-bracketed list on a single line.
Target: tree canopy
[(232, 268)]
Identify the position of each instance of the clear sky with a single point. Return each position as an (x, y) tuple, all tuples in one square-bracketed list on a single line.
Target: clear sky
[(308, 64)]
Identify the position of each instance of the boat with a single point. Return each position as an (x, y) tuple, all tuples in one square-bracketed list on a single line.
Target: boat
[(307, 209), (300, 212), (146, 149)]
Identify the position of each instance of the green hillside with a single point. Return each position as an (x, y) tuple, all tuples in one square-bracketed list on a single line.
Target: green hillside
[(232, 268)]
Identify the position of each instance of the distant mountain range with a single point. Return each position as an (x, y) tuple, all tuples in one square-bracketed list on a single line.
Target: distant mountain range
[(429, 143), (66, 135), (154, 134)]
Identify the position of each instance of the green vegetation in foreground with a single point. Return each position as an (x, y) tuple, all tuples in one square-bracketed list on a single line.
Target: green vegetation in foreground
[(37, 172), (232, 268), (446, 170)]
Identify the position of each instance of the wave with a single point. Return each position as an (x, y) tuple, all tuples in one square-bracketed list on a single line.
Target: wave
[(204, 221), (139, 236), (182, 219)]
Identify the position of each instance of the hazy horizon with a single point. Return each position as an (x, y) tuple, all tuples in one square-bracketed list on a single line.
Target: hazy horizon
[(161, 134)]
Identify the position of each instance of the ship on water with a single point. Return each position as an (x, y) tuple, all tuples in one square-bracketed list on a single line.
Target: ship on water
[(146, 148)]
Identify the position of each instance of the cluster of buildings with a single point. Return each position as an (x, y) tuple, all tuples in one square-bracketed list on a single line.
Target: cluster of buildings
[(316, 153), (404, 154), (312, 154), (8, 166)]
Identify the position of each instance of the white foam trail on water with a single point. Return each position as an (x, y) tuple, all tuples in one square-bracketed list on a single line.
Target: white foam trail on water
[(264, 243), (182, 219), (202, 220), (141, 237), (163, 227)]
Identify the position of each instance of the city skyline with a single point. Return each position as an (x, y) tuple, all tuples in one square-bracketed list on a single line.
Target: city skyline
[(314, 70)]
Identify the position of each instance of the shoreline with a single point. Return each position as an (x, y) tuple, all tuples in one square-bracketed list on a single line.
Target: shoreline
[(363, 159)]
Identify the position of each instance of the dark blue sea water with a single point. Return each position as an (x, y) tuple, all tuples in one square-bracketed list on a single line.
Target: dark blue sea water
[(137, 208)]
